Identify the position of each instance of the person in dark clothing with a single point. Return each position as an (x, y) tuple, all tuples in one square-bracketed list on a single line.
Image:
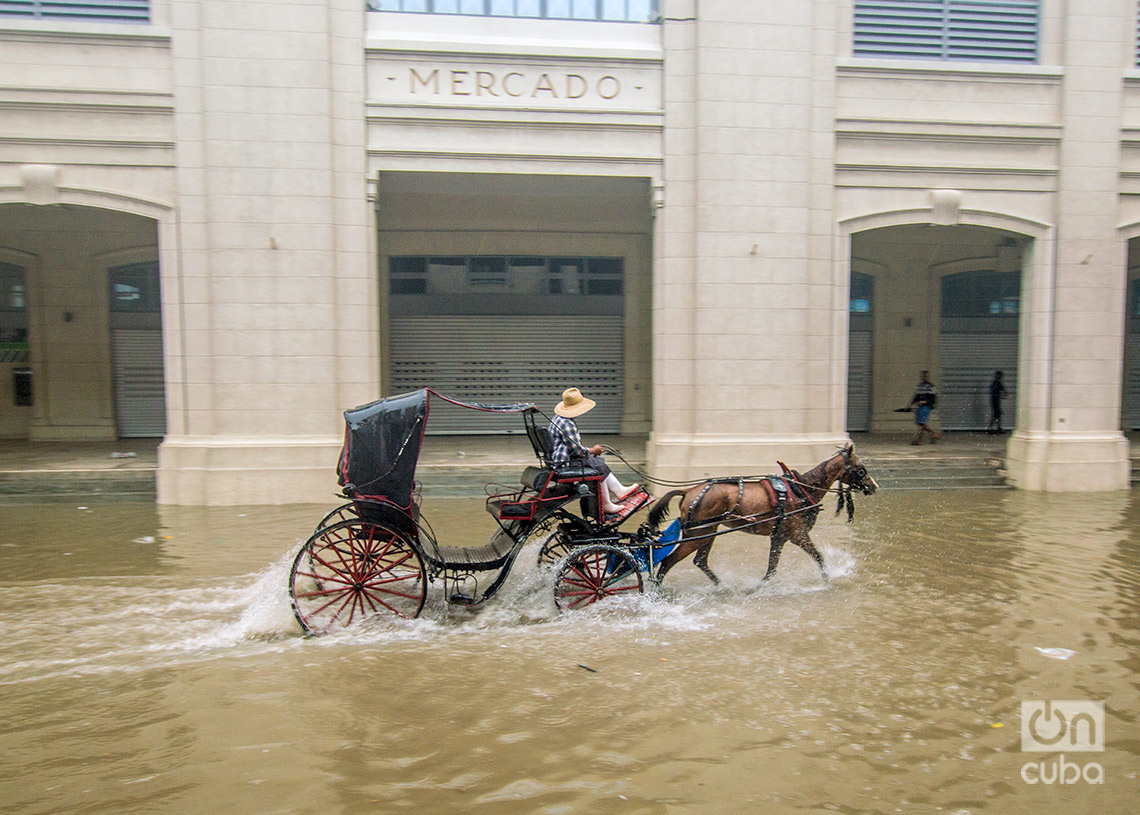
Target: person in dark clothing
[(997, 393), (925, 397)]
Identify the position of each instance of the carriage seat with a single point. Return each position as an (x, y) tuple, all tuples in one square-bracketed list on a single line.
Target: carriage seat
[(491, 555), (543, 444), (552, 481), (576, 471)]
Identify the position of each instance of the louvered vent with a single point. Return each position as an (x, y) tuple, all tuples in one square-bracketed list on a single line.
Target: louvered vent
[(980, 30), (95, 11)]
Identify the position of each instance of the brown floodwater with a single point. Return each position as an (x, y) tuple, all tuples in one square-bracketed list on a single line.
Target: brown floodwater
[(150, 663)]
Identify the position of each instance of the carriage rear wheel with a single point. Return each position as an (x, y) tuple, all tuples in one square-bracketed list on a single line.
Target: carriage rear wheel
[(345, 512), (354, 570), (592, 573)]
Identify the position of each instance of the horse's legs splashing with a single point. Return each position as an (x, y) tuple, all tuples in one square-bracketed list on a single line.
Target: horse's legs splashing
[(701, 561), (774, 557), (809, 547)]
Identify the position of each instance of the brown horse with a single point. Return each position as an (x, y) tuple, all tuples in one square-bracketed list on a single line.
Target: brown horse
[(754, 506)]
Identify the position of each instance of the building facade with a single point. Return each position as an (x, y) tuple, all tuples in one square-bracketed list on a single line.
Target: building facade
[(743, 226)]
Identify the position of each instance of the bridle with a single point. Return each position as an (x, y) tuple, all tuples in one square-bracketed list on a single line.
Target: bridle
[(854, 477), (854, 473)]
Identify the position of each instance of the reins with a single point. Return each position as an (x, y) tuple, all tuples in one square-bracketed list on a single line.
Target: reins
[(844, 490), (844, 499)]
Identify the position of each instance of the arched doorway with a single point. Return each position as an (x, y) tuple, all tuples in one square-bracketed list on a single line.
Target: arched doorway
[(940, 298), (80, 324), (1130, 385)]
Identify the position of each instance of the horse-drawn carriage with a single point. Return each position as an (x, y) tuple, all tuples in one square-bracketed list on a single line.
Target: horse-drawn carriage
[(376, 555)]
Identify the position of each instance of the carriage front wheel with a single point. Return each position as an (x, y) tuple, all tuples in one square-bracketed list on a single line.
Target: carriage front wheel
[(353, 570), (593, 573)]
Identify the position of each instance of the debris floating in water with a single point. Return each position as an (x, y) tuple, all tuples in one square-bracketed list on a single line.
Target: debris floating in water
[(1055, 653), (586, 668)]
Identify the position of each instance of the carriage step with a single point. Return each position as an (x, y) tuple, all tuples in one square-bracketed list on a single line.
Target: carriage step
[(458, 599)]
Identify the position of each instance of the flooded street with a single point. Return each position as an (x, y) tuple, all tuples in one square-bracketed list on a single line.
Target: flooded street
[(151, 663)]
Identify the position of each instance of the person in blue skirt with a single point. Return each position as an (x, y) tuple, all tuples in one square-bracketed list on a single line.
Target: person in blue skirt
[(925, 397)]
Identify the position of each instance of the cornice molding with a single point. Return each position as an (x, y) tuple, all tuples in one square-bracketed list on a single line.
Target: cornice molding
[(530, 56), (913, 168), (519, 110), (955, 138), (129, 35), (72, 142), (952, 71), (525, 157), (515, 124), (84, 107)]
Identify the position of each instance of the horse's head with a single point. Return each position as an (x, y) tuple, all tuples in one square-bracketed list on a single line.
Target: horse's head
[(855, 473)]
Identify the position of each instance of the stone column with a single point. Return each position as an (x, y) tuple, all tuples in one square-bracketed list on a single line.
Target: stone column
[(277, 287), (1069, 437), (749, 310)]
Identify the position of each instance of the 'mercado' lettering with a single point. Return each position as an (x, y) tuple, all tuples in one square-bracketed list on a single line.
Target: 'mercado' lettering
[(511, 84)]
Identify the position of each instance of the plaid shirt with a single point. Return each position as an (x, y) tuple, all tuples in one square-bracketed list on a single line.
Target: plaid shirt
[(567, 441)]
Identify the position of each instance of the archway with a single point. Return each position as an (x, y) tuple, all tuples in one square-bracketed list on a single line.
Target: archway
[(942, 298), (80, 286)]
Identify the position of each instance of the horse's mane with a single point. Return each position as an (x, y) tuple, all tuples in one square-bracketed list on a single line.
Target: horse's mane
[(817, 475)]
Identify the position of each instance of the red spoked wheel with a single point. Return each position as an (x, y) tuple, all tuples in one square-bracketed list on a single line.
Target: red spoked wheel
[(353, 570), (593, 573)]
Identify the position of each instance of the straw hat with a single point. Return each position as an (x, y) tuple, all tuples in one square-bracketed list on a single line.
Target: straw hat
[(573, 404)]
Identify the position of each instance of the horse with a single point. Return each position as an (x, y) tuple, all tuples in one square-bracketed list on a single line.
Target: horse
[(784, 508)]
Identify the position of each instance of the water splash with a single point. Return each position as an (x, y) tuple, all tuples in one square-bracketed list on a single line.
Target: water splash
[(138, 624)]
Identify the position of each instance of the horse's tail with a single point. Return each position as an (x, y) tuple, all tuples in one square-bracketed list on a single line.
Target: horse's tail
[(660, 508)]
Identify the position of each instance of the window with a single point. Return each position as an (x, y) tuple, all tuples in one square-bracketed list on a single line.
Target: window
[(494, 274), (93, 11), (134, 288), (604, 276), (983, 30), (624, 11), (861, 288), (487, 274), (13, 315), (981, 294), (13, 289), (407, 275)]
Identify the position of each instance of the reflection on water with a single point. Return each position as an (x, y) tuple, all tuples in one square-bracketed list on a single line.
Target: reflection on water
[(151, 663)]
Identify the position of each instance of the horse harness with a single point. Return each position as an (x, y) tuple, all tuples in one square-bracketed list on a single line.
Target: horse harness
[(776, 486)]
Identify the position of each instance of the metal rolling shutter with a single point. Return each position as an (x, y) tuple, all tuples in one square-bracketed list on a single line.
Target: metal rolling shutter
[(859, 381), (968, 365), (140, 397), (499, 358), (1131, 407)]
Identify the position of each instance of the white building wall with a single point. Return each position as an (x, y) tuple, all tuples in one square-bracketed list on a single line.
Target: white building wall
[(750, 321)]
